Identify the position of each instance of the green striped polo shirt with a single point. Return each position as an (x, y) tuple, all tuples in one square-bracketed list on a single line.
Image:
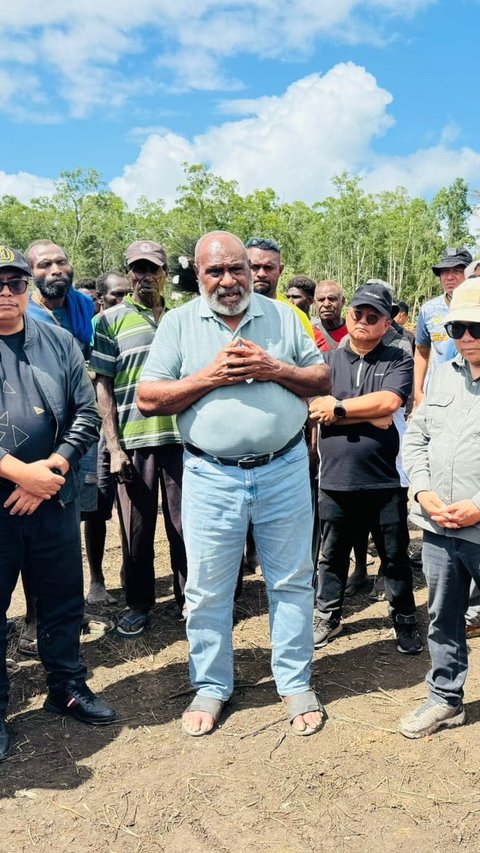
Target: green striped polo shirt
[(123, 337)]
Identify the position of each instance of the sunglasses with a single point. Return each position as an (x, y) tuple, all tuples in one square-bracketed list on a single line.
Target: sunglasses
[(17, 286), (262, 243), (457, 330), (372, 319)]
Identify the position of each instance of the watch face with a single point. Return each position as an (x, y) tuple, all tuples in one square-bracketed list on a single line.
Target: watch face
[(339, 410)]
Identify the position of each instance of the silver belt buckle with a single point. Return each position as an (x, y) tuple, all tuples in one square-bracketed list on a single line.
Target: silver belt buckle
[(247, 461)]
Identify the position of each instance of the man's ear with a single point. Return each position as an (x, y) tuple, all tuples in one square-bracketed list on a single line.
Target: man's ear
[(282, 267)]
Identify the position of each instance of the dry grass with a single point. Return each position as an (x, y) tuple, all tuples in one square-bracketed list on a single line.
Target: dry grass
[(142, 786)]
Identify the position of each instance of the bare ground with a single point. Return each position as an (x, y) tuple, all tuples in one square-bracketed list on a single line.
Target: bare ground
[(141, 785)]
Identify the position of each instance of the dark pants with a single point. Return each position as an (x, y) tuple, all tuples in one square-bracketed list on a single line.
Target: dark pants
[(47, 547), (344, 517), (138, 510)]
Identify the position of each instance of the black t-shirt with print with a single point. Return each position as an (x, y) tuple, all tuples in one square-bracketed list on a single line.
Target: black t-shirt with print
[(27, 426)]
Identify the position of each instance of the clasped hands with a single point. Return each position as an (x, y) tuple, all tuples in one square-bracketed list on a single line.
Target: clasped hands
[(242, 361), (459, 514), (37, 483)]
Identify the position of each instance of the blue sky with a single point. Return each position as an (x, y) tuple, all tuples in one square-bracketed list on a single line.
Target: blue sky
[(281, 93)]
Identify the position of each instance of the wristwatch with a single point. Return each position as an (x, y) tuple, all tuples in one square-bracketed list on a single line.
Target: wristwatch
[(339, 410)]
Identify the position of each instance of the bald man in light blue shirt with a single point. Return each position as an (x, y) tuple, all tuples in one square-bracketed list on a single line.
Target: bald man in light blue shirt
[(236, 367)]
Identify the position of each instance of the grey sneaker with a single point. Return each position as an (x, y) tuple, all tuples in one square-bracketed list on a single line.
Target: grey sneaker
[(430, 717), (324, 631)]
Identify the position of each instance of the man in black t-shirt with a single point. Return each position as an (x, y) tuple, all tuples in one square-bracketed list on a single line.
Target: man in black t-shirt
[(48, 420), (359, 482)]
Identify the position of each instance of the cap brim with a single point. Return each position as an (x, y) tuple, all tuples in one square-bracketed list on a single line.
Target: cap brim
[(448, 265), (466, 314), (14, 266), (143, 256), (366, 303)]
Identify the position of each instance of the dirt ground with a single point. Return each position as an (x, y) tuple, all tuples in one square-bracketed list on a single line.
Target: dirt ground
[(141, 785)]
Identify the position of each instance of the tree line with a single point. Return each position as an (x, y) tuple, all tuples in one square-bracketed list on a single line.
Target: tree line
[(349, 236)]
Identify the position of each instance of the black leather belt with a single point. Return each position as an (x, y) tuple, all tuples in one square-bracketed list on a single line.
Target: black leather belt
[(245, 461)]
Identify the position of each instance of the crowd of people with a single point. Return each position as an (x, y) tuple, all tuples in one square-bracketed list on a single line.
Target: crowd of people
[(236, 407)]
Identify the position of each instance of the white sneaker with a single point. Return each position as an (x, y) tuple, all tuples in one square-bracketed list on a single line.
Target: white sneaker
[(430, 717)]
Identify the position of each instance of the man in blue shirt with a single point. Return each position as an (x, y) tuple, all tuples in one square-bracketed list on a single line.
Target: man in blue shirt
[(236, 367), (431, 338), (56, 302)]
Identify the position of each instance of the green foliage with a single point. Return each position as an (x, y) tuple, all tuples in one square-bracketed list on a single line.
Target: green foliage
[(349, 236), (452, 208)]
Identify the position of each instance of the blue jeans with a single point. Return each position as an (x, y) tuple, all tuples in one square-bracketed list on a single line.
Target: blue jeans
[(449, 564), (218, 502)]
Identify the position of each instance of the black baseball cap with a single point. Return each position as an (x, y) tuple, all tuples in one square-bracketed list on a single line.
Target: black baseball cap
[(13, 258), (374, 295), (452, 258)]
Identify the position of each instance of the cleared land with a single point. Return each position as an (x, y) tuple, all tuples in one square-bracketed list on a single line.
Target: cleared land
[(141, 785)]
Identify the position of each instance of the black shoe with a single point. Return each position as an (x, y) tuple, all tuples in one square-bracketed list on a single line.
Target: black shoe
[(356, 581), (81, 703), (406, 635), (377, 592), (5, 739), (414, 552)]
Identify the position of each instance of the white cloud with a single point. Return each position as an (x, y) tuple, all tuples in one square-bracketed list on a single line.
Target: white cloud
[(158, 170), (80, 49), (294, 142), (297, 141), (24, 186), (424, 171)]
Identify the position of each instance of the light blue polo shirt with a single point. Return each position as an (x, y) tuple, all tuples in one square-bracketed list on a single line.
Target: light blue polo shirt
[(431, 328), (249, 417)]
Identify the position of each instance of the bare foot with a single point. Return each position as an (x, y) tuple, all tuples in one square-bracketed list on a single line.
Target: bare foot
[(93, 624), (312, 720), (198, 721), (97, 594)]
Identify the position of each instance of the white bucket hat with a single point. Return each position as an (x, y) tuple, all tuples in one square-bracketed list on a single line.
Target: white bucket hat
[(465, 302)]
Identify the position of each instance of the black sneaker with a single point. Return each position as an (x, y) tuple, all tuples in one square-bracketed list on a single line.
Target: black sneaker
[(357, 581), (377, 592), (414, 552), (81, 703), (406, 634), (5, 739)]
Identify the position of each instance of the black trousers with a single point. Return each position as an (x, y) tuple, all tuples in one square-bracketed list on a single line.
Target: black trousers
[(47, 547), (344, 517), (138, 511)]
